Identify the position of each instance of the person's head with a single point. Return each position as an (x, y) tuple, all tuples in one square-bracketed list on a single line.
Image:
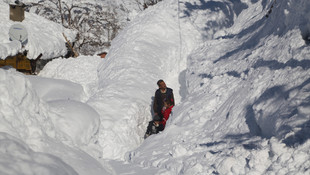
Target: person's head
[(167, 103), (161, 84)]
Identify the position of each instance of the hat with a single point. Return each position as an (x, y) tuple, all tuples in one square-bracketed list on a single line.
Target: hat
[(156, 118)]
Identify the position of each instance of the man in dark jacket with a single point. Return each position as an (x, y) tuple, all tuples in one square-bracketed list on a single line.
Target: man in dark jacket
[(162, 94)]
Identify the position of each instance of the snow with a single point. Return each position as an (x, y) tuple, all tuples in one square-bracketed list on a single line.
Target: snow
[(58, 89), (16, 157), (77, 120), (240, 80), (10, 48), (44, 36)]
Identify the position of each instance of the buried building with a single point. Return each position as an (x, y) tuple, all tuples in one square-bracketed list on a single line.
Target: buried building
[(28, 41)]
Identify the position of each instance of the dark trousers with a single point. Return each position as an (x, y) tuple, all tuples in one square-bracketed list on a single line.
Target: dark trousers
[(153, 129)]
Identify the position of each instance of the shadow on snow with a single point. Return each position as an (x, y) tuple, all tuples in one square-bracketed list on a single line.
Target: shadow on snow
[(266, 126)]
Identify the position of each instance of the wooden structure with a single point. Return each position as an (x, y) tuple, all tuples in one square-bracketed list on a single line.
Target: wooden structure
[(17, 12), (20, 62)]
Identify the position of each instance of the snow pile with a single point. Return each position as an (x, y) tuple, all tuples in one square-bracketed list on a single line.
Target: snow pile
[(46, 115), (264, 76), (9, 48), (16, 157), (24, 117), (71, 82), (81, 70), (240, 80), (44, 36), (247, 108), (21, 113), (143, 53), (52, 89), (77, 121)]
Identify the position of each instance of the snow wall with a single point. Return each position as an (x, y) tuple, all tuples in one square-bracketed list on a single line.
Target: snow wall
[(147, 50)]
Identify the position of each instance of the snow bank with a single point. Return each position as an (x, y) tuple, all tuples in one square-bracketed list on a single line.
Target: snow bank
[(24, 117), (44, 36), (81, 70), (248, 96), (77, 122), (146, 51), (241, 83), (21, 113), (16, 157), (35, 117), (263, 77), (54, 89), (76, 119)]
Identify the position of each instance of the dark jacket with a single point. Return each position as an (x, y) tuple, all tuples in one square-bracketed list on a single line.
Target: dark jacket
[(160, 98)]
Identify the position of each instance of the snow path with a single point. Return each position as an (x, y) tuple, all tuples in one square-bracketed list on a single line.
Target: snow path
[(130, 72)]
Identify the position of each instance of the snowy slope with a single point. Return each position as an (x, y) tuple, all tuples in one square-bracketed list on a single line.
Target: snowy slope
[(241, 83), (33, 138), (247, 111), (147, 50)]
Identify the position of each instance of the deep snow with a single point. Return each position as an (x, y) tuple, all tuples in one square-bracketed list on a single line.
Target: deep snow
[(240, 79), (44, 36)]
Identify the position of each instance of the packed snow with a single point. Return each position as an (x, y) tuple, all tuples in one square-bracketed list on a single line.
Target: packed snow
[(240, 80)]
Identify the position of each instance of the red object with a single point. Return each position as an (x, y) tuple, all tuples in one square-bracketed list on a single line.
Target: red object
[(166, 114)]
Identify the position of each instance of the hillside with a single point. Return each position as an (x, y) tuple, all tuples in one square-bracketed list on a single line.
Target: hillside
[(240, 80), (247, 107), (242, 94)]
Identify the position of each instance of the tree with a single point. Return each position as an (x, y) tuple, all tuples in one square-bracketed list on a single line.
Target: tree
[(95, 25), (148, 3)]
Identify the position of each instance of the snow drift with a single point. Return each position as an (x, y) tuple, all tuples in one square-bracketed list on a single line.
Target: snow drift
[(41, 129), (17, 157), (146, 51), (249, 82), (241, 82)]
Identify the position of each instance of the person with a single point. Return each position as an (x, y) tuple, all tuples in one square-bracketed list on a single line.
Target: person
[(166, 113), (154, 127), (163, 104), (162, 94)]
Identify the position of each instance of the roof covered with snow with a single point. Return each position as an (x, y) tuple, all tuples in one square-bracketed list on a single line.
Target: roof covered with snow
[(44, 36)]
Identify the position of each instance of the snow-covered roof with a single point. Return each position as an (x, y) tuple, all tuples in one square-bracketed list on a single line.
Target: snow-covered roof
[(44, 36)]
